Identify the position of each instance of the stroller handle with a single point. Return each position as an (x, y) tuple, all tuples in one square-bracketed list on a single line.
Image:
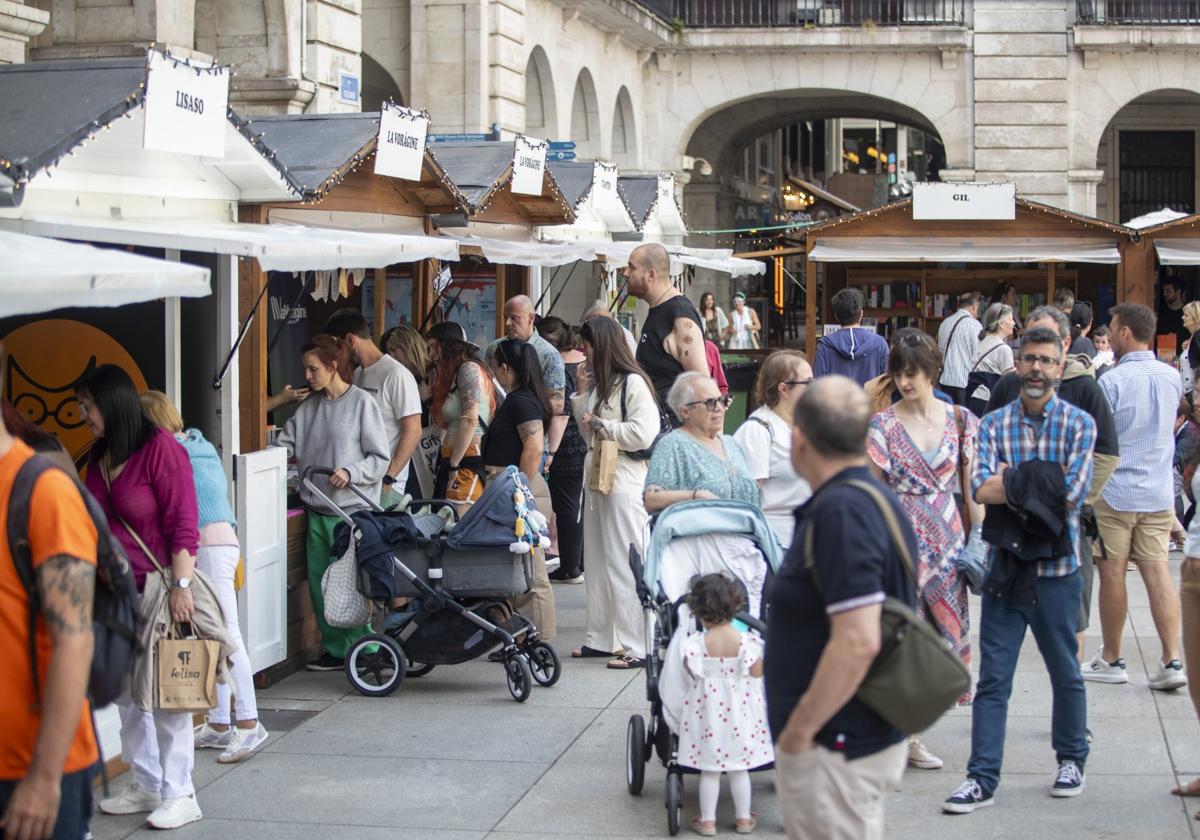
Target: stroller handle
[(312, 488)]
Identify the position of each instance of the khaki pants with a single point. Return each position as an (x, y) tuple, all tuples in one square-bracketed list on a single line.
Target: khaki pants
[(824, 797), (538, 603)]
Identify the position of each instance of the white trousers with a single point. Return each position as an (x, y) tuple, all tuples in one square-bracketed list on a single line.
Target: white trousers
[(614, 613), (219, 562), (160, 747)]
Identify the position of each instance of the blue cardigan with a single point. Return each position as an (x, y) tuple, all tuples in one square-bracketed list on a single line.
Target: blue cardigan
[(212, 489)]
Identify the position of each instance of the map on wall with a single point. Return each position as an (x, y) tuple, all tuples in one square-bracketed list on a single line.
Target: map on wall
[(399, 305), (472, 303)]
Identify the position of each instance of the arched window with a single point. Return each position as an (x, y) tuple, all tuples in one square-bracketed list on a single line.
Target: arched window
[(540, 118), (624, 135), (585, 118)]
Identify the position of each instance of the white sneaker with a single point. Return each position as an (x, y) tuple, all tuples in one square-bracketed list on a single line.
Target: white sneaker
[(920, 757), (208, 738), (242, 743), (132, 800), (174, 813), (1097, 670), (1168, 677)]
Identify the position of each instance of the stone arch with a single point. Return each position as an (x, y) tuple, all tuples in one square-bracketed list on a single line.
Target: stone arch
[(378, 86), (624, 131), (260, 39), (585, 117), (541, 109)]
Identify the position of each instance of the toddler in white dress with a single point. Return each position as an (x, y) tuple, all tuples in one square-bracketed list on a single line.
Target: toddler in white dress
[(724, 727)]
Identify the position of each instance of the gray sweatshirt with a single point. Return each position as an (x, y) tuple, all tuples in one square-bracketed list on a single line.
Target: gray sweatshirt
[(346, 433)]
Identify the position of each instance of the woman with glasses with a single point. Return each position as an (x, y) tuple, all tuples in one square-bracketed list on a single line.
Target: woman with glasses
[(923, 448), (993, 356), (766, 438), (616, 403)]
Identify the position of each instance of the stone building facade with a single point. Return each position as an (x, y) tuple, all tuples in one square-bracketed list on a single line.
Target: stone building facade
[(1016, 90)]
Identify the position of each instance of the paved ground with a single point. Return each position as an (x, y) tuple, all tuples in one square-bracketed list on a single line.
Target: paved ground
[(451, 757)]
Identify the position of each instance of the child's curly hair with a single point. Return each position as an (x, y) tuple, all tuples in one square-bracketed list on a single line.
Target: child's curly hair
[(715, 598)]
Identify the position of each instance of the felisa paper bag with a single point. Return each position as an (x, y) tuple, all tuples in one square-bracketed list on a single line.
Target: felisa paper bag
[(187, 674)]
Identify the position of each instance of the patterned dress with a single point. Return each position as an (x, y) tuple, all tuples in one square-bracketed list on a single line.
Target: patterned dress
[(926, 488), (724, 723)]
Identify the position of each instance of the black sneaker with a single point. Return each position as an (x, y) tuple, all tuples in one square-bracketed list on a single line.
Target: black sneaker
[(327, 662), (1068, 781), (967, 798)]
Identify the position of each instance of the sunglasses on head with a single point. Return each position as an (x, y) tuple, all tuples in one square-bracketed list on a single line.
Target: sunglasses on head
[(712, 403)]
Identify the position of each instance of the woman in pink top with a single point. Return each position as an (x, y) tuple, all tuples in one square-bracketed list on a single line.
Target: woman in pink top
[(143, 480)]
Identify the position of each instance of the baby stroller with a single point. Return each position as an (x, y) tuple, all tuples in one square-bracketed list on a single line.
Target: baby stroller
[(688, 539), (457, 581)]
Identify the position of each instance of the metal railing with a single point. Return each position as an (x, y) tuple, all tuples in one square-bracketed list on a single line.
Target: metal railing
[(783, 13), (1138, 12)]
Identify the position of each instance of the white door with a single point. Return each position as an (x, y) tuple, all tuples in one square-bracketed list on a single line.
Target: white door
[(262, 531)]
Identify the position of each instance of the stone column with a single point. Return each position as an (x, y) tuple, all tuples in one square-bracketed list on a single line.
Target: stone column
[(1081, 186), (449, 51), (86, 30), (18, 23), (334, 45)]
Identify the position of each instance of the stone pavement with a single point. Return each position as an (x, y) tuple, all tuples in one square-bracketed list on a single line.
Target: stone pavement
[(451, 757)]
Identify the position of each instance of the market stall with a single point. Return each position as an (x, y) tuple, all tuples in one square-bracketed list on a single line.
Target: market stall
[(911, 270), (1169, 247)]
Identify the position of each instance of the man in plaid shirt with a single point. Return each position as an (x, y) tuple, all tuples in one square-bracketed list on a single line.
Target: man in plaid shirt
[(1038, 426)]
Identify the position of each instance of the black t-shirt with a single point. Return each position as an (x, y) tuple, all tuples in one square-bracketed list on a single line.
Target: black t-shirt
[(1170, 321), (1081, 392), (502, 446), (661, 366), (856, 564)]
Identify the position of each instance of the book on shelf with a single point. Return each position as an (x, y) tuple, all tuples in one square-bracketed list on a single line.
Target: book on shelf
[(900, 294)]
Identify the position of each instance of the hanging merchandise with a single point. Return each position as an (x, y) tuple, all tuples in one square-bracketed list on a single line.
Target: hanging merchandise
[(529, 165), (400, 150), (186, 106)]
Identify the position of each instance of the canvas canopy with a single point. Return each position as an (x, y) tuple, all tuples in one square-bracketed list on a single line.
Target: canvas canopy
[(951, 250)]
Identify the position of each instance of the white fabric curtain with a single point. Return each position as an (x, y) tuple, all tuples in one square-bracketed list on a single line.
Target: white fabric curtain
[(529, 253), (38, 275), (948, 249), (1178, 251)]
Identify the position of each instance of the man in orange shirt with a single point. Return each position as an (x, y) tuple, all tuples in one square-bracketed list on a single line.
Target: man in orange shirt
[(47, 749)]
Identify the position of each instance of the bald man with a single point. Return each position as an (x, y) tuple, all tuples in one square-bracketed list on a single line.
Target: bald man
[(519, 316), (673, 335), (836, 759)]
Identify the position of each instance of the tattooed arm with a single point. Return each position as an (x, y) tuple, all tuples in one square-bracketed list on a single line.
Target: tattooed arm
[(65, 586), (532, 433), (688, 347), (470, 393)]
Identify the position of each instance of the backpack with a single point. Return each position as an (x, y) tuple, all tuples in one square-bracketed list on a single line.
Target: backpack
[(116, 622)]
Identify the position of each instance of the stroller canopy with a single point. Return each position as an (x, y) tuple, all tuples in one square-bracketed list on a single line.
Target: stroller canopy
[(491, 521)]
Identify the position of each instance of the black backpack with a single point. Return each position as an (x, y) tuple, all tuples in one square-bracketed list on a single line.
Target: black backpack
[(116, 622)]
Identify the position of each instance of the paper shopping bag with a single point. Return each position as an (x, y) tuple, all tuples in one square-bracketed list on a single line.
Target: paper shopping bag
[(187, 674), (603, 475)]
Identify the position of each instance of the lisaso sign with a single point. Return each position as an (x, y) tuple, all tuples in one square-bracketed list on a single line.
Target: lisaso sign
[(185, 106), (964, 201), (401, 147), (529, 165)]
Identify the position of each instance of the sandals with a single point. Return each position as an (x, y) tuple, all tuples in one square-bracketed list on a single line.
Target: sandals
[(626, 663), (1192, 788), (705, 828), (586, 652), (746, 826)]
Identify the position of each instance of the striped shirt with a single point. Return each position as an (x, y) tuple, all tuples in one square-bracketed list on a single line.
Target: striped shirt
[(1065, 436), (957, 354), (1143, 395)]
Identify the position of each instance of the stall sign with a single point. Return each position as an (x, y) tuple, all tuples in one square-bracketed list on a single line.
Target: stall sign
[(604, 183), (964, 201), (401, 147), (666, 188), (529, 165), (186, 106)]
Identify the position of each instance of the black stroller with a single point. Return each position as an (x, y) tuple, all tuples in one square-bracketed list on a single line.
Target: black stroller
[(458, 583), (675, 553)]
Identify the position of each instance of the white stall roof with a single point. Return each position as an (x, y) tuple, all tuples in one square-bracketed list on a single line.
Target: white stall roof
[(38, 275), (544, 253), (717, 259), (944, 249), (1178, 251), (282, 247)]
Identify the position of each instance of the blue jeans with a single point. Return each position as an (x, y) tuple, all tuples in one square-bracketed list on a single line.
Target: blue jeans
[(74, 808), (1001, 632)]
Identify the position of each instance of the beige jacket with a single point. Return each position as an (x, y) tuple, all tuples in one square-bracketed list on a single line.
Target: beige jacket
[(208, 622)]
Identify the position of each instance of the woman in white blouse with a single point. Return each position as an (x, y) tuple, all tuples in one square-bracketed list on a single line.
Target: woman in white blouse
[(993, 357)]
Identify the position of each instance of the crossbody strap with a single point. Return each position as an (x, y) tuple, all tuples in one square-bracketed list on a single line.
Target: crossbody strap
[(953, 330), (129, 528), (889, 516), (975, 367)]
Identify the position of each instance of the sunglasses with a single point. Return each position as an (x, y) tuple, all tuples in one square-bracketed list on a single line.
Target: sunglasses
[(712, 403)]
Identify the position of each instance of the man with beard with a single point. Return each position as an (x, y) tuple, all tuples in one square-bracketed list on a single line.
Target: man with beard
[(1036, 430)]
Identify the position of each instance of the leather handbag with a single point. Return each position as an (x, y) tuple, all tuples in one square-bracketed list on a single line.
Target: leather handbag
[(916, 676)]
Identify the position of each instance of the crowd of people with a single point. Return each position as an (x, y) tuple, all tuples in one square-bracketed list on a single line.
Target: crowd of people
[(1015, 457)]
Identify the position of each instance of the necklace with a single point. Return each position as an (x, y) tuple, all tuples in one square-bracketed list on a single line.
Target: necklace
[(923, 420), (663, 296)]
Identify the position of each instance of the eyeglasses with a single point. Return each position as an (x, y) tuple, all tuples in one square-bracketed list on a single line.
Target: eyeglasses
[(1044, 361), (712, 403), (791, 383)]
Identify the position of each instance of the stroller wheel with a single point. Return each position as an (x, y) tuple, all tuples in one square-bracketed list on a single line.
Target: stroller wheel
[(378, 673), (635, 754), (544, 664), (418, 669), (520, 678), (674, 801)]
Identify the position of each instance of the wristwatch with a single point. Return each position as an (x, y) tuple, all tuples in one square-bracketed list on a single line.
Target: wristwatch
[(183, 583), (388, 480)]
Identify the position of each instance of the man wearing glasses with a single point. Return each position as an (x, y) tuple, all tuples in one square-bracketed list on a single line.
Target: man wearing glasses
[(1016, 443)]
